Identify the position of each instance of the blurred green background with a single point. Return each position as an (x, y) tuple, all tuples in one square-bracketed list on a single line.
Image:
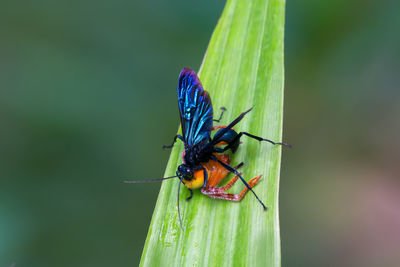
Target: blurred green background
[(88, 97)]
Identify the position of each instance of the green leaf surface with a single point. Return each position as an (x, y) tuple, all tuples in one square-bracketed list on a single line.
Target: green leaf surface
[(243, 68)]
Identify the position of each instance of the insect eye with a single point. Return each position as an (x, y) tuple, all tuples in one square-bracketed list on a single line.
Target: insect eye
[(189, 173), (185, 171), (181, 169)]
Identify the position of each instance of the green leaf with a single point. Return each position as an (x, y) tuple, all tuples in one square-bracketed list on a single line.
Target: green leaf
[(243, 68)]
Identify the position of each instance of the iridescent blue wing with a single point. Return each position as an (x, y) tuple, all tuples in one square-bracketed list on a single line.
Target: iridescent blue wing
[(195, 108)]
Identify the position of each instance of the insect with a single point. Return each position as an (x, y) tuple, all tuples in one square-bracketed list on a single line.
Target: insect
[(204, 163)]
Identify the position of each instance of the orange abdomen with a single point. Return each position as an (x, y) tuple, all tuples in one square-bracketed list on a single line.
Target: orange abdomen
[(215, 171)]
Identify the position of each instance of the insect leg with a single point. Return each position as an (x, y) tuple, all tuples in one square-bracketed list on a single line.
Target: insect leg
[(173, 142), (228, 185), (222, 113), (205, 175), (220, 192), (230, 169), (215, 127), (191, 194), (239, 165), (217, 190), (252, 183), (233, 143), (262, 139)]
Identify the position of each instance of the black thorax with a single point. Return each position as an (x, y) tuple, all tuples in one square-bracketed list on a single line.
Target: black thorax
[(199, 153)]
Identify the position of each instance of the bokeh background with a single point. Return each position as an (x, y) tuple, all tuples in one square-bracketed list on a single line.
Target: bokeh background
[(88, 97)]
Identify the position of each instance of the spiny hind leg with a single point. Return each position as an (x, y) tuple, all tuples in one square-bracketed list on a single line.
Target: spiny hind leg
[(219, 192), (228, 185), (252, 183), (258, 139)]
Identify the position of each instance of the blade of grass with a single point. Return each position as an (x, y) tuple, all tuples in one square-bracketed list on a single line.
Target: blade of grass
[(243, 68)]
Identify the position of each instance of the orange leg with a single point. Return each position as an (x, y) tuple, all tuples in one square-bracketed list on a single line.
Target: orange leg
[(252, 183), (220, 127), (220, 191), (217, 127), (217, 190)]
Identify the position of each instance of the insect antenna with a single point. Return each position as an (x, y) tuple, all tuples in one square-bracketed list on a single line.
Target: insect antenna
[(179, 211), (148, 180)]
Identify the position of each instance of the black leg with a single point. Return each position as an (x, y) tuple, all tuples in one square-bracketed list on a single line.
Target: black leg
[(222, 113), (263, 139), (254, 137), (170, 146), (219, 150), (191, 194), (232, 170), (239, 165), (205, 174)]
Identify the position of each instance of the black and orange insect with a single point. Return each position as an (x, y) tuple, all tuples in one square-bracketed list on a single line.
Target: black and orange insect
[(204, 163)]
